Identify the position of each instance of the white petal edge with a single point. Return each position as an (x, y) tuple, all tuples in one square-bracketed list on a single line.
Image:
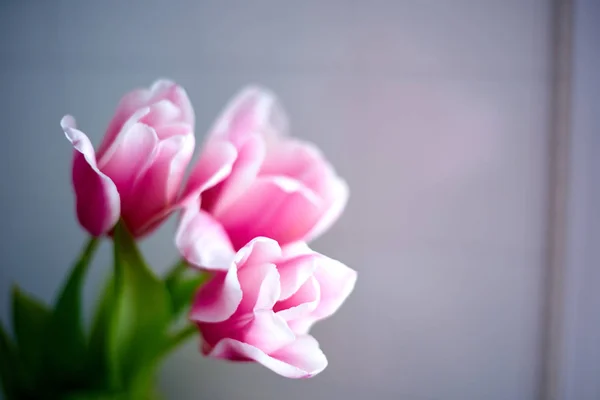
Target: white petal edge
[(81, 143), (314, 359)]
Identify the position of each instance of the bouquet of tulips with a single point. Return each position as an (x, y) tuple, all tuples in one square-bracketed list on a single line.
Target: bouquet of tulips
[(247, 282)]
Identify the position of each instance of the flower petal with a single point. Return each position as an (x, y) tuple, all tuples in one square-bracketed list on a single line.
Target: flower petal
[(97, 198), (243, 173), (275, 207), (164, 88), (202, 241), (337, 198), (260, 285), (140, 98), (176, 129), (129, 155), (301, 359), (254, 110), (336, 281), (296, 249), (302, 303), (305, 354), (214, 165), (258, 251), (294, 273), (304, 162), (155, 192), (267, 331), (218, 299), (162, 113), (297, 159)]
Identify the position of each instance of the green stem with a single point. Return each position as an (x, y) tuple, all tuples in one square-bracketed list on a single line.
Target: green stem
[(175, 271), (87, 253), (184, 334), (180, 337), (80, 269), (90, 248)]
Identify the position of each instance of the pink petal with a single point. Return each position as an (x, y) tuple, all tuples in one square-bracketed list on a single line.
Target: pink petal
[(304, 162), (336, 282), (302, 303), (176, 129), (263, 329), (130, 103), (214, 165), (161, 113), (140, 98), (155, 193), (97, 198), (301, 359), (129, 155), (337, 199), (275, 207), (243, 173), (294, 273), (295, 249), (164, 88), (202, 241), (267, 331), (301, 326), (218, 299), (305, 354), (260, 285), (296, 159), (253, 110), (258, 251), (111, 147)]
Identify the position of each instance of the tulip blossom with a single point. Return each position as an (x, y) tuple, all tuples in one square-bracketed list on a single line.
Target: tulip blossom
[(261, 308), (278, 187), (137, 171)]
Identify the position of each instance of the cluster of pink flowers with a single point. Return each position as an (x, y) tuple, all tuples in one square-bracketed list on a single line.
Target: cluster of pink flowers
[(249, 206)]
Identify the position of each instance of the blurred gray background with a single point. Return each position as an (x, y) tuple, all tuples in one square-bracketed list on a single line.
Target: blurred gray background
[(437, 112)]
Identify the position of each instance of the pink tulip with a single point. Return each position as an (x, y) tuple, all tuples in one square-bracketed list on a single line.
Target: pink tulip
[(262, 307), (279, 187), (137, 171)]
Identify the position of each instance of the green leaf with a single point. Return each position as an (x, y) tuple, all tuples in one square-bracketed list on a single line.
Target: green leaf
[(175, 340), (9, 366), (141, 313), (66, 355), (30, 322), (97, 358), (182, 283)]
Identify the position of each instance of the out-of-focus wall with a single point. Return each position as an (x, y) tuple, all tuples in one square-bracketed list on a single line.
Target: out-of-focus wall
[(579, 338), (436, 112)]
